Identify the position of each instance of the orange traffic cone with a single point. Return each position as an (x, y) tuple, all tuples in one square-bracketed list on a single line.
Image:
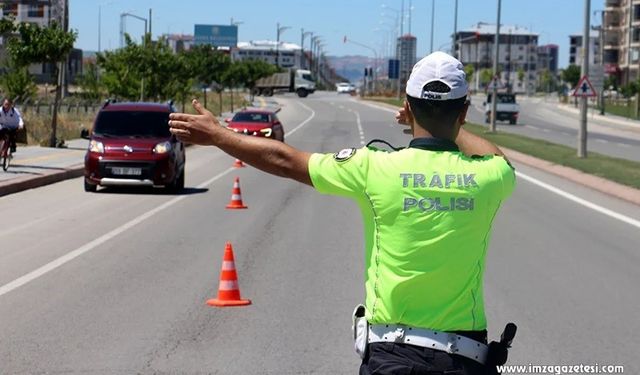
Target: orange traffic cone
[(228, 290), (238, 164), (236, 196)]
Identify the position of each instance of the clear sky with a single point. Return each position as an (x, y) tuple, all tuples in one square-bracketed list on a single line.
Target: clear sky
[(365, 21)]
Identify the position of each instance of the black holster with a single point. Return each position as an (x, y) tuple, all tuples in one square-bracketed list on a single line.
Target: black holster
[(499, 350)]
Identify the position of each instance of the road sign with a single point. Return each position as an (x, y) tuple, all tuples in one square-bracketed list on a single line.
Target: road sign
[(584, 89), (596, 76), (216, 35), (495, 83), (394, 68)]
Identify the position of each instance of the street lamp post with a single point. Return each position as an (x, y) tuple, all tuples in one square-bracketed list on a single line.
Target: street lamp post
[(303, 35), (375, 62), (280, 30), (122, 17), (494, 90)]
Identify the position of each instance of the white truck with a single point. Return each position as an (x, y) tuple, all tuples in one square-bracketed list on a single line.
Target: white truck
[(295, 80), (506, 108)]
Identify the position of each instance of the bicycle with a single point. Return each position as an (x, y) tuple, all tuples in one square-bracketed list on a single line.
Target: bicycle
[(5, 151)]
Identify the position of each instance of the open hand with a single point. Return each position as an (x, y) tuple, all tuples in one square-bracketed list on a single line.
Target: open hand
[(404, 116), (197, 129)]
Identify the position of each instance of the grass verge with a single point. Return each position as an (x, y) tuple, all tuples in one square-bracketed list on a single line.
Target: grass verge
[(622, 171)]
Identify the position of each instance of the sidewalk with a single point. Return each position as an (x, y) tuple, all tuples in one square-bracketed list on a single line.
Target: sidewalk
[(35, 166)]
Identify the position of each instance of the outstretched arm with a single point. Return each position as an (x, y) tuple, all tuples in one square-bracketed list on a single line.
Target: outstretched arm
[(270, 156)]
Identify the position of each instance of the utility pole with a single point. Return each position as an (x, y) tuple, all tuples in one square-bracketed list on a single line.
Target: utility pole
[(454, 49), (433, 11), (582, 131), (494, 89)]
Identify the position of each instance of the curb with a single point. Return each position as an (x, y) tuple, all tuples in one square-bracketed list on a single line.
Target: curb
[(632, 126), (25, 183)]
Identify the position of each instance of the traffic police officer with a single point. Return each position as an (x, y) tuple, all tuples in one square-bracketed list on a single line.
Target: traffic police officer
[(428, 211), (10, 121)]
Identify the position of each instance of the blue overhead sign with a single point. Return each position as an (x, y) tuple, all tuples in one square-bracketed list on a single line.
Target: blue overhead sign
[(394, 68), (216, 35)]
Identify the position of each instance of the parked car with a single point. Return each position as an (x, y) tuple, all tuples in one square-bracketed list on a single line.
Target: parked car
[(130, 145), (345, 88), (257, 122)]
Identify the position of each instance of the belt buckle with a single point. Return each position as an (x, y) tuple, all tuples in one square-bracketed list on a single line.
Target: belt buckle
[(399, 334)]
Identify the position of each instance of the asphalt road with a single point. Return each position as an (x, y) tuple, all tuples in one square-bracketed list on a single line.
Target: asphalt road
[(116, 282), (542, 119)]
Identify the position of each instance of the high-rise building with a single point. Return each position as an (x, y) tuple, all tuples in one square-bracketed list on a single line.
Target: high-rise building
[(406, 53), (621, 21), (575, 49), (517, 61)]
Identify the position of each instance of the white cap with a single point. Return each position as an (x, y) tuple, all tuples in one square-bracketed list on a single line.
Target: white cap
[(442, 67)]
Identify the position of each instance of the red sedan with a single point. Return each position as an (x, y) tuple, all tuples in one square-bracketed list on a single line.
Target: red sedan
[(257, 122)]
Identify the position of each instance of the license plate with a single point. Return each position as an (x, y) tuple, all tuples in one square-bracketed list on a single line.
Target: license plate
[(123, 171)]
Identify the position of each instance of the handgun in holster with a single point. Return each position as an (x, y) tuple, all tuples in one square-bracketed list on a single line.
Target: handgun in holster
[(499, 350)]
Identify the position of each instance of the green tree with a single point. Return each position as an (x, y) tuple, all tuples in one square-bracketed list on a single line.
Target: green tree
[(254, 70), (35, 44), (546, 81), (206, 65), (571, 74), (486, 75), (141, 71), (17, 83), (469, 70), (90, 84), (521, 74)]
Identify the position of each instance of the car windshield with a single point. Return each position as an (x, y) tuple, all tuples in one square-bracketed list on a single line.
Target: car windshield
[(250, 117), (308, 77), (132, 124), (503, 98)]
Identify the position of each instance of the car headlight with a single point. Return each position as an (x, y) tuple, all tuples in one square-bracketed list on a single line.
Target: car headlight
[(162, 148), (95, 146), (266, 132)]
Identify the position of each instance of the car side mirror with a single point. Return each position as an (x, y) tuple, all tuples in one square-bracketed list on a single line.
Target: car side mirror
[(227, 120), (84, 134)]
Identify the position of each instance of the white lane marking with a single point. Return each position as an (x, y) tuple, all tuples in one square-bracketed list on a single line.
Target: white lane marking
[(374, 106), (565, 133), (27, 278), (546, 130), (601, 140), (303, 123), (341, 106), (595, 207), (532, 127), (359, 127), (623, 145)]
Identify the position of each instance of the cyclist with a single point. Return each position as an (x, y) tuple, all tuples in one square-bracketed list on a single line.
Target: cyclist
[(10, 122)]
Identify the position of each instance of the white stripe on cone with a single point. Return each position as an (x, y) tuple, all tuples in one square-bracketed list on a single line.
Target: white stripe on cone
[(228, 285), (228, 265), (236, 197)]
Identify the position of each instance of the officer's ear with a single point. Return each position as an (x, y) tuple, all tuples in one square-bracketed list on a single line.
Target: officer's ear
[(462, 117)]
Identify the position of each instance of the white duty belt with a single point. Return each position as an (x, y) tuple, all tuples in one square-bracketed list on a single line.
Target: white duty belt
[(436, 340)]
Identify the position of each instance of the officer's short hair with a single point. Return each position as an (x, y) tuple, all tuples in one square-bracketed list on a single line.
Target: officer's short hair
[(427, 112)]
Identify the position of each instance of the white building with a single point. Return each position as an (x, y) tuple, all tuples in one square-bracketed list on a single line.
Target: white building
[(285, 55), (517, 53), (575, 49), (179, 42)]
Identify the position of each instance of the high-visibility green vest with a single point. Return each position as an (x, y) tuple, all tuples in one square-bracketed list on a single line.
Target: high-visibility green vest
[(427, 213)]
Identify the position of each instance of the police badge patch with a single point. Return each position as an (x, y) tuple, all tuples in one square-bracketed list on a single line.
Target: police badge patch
[(345, 154)]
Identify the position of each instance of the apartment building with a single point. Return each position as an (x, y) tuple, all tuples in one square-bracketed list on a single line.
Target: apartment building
[(575, 49), (517, 54), (621, 21), (41, 13)]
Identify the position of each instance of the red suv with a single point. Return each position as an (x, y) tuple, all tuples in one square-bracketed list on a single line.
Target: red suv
[(131, 145), (258, 122)]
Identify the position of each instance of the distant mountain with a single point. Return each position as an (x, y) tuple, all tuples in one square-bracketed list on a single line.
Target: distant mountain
[(352, 67)]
